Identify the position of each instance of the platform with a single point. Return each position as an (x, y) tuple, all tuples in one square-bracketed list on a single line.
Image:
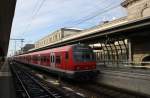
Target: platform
[(135, 80), (6, 83)]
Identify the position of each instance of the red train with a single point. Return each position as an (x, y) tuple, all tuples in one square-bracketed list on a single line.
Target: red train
[(72, 61)]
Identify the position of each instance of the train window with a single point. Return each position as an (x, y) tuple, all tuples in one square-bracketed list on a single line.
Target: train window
[(45, 59), (66, 55), (42, 59), (36, 58), (39, 58), (33, 58), (58, 60), (83, 56), (83, 53)]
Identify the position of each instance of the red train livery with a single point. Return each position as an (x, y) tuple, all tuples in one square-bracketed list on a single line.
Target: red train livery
[(72, 61)]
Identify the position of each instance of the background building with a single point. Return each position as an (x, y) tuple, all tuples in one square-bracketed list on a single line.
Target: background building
[(137, 8), (27, 47), (56, 36)]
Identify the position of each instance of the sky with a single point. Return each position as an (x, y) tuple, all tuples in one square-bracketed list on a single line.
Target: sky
[(35, 19)]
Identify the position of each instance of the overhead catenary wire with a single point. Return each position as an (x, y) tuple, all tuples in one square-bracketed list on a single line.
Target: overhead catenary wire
[(87, 18), (90, 16), (77, 22), (35, 12)]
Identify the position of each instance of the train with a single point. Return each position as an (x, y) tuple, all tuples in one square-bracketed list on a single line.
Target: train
[(75, 61)]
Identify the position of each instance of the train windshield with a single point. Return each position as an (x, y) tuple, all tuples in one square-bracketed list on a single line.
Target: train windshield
[(83, 54)]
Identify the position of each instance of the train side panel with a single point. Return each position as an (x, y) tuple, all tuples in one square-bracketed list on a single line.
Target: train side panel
[(71, 62)]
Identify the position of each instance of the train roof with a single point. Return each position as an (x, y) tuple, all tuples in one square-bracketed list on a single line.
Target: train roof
[(64, 48)]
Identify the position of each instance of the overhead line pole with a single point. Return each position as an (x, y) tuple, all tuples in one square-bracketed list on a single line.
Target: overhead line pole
[(16, 39)]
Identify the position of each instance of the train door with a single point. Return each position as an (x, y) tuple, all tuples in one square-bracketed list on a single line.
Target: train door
[(66, 60), (52, 60), (39, 59)]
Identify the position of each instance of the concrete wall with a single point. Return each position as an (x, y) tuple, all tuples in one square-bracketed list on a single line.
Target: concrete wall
[(137, 8), (140, 50)]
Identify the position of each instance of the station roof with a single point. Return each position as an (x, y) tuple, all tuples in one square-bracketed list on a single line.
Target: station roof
[(127, 29), (7, 8)]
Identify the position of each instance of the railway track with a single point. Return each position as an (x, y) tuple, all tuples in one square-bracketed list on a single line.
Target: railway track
[(89, 90), (29, 86)]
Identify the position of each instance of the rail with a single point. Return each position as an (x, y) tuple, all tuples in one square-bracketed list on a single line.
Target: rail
[(88, 88), (28, 86)]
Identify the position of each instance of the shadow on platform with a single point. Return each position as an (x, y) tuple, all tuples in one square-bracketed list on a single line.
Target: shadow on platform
[(6, 82)]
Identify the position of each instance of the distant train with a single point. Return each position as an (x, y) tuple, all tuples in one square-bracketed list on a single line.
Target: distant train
[(73, 61)]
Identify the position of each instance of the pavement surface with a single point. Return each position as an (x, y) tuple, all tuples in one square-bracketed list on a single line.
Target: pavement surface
[(6, 82)]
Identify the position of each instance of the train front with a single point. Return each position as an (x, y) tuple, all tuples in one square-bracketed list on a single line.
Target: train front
[(84, 62)]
